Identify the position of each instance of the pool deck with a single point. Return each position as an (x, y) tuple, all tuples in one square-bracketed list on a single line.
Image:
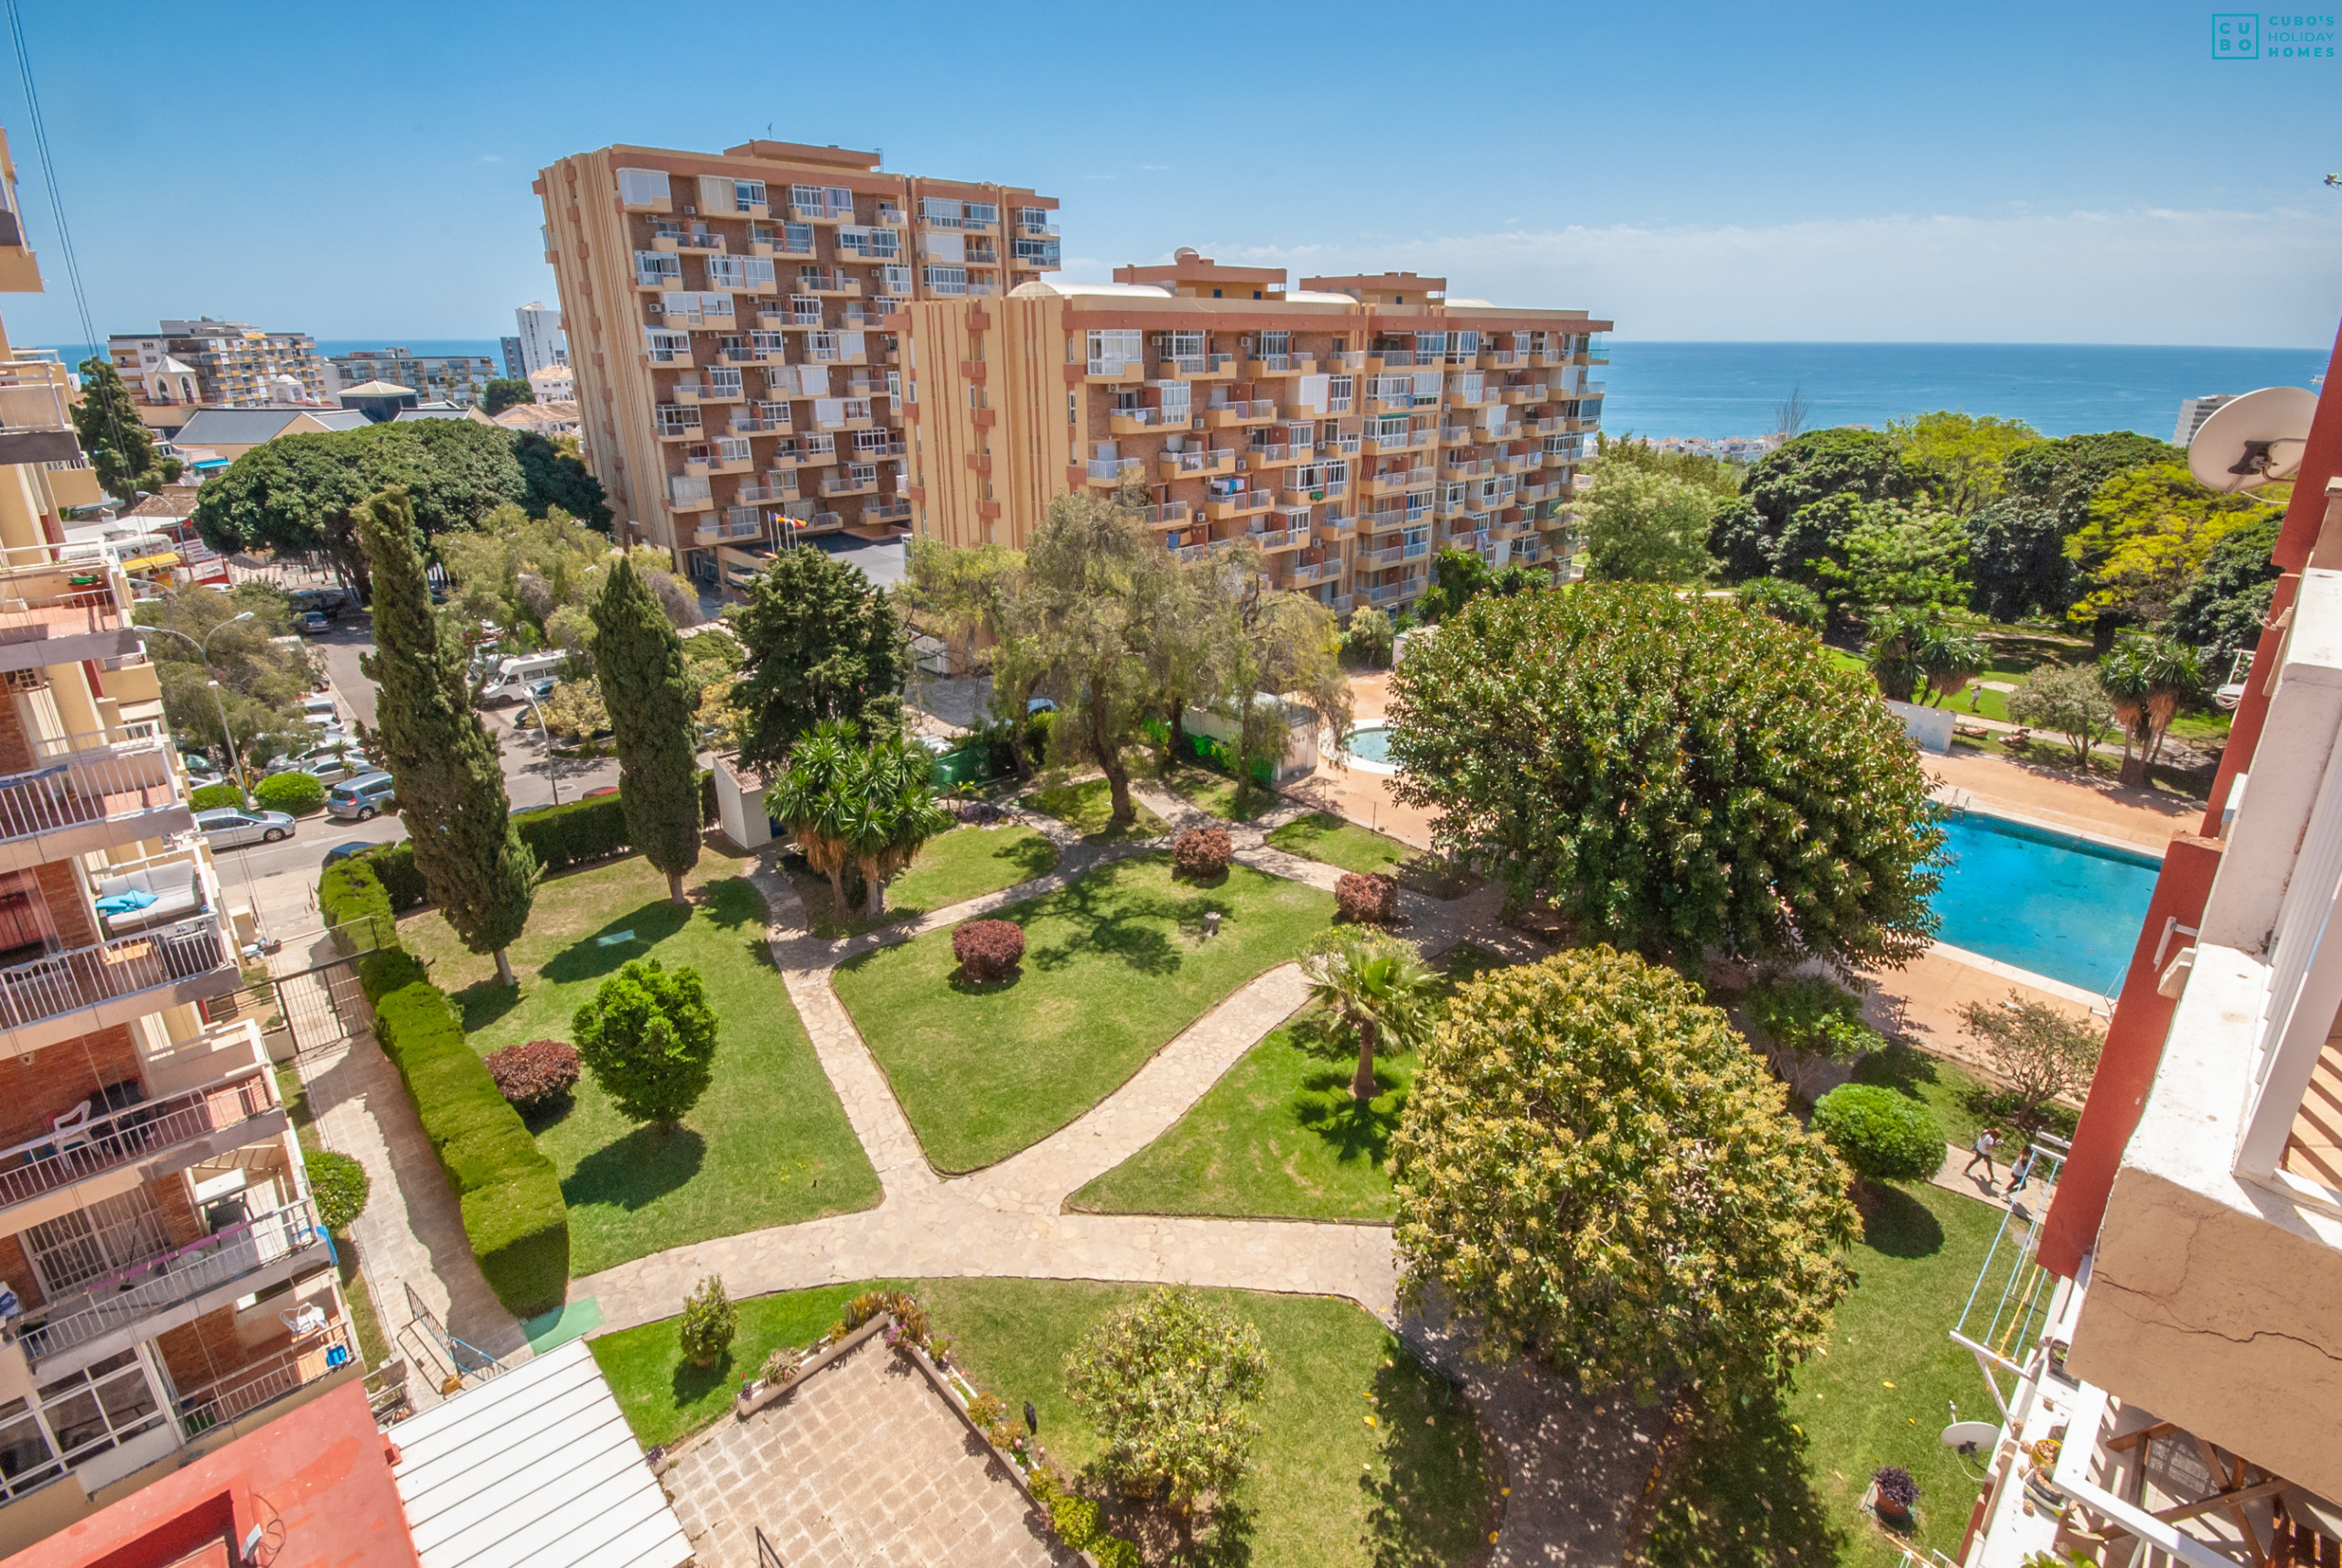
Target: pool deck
[(2134, 819)]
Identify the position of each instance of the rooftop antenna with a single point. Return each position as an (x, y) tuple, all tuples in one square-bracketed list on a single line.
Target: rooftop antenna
[(2255, 440)]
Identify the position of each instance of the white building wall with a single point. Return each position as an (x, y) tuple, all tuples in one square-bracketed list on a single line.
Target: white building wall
[(542, 342)]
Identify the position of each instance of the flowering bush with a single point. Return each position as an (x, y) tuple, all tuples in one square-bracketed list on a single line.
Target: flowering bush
[(988, 950), (1201, 853), (987, 1410), (536, 1074), (1365, 898), (910, 1318)]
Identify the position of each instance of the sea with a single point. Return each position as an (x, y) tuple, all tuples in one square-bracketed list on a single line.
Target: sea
[(1719, 389)]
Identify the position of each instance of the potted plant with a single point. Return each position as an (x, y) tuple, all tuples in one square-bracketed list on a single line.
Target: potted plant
[(1892, 1492)]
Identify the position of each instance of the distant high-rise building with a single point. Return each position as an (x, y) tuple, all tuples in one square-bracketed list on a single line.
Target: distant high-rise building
[(542, 341), (218, 364), (459, 379), (2194, 412), (516, 365)]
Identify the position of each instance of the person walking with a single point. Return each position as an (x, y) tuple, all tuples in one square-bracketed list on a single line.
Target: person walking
[(1986, 1141)]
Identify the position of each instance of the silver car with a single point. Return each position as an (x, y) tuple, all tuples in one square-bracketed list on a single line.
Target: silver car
[(327, 764), (229, 827)]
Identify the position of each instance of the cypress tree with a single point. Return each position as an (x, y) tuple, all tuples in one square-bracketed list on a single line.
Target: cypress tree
[(450, 784), (641, 662)]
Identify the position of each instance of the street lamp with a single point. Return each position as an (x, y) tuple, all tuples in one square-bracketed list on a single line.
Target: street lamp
[(203, 651), (545, 733)]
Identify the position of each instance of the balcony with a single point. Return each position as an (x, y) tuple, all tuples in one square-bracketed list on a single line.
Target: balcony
[(61, 612), (1233, 416), (1280, 365), (1168, 514), (310, 1358), (1196, 463), (71, 993), (894, 509), (1333, 528), (1115, 370), (848, 485), (1273, 540), (826, 286), (1194, 366), (728, 530), (1344, 443), (1146, 421), (766, 494), (1236, 504), (38, 1178), (1462, 394), (1397, 440), (1398, 482), (1112, 472), (107, 1316), (1278, 455), (1396, 359), (1305, 573), (91, 792), (854, 413), (1523, 392)]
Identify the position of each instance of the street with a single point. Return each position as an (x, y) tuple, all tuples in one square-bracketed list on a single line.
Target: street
[(279, 880)]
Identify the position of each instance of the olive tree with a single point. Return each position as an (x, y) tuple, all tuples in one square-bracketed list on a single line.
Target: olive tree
[(1168, 1381), (1594, 1166), (1680, 776)]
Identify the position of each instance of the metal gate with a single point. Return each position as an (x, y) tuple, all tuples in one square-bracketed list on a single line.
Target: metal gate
[(320, 1005)]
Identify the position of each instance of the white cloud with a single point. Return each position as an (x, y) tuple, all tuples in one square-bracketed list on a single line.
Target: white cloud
[(2149, 276), (491, 157)]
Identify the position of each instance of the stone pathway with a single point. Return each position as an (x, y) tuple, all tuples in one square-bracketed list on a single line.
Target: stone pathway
[(862, 1462)]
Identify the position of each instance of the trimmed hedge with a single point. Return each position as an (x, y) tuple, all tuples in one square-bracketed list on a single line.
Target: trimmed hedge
[(213, 795), (296, 794), (402, 883), (349, 891), (511, 1197), (988, 950), (1365, 898), (566, 836), (1202, 853)]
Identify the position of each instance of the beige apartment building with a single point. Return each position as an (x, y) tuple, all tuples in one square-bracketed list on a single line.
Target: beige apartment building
[(1348, 428), (735, 320), (163, 1282), (218, 364)]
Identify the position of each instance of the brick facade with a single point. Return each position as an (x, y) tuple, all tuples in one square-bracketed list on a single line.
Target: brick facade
[(39, 1084)]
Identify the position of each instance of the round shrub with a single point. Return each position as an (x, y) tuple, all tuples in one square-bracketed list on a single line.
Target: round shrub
[(988, 950), (1881, 1134), (1896, 1490), (213, 795), (1365, 898), (337, 1183), (534, 1075), (1201, 853), (709, 1322), (297, 794)]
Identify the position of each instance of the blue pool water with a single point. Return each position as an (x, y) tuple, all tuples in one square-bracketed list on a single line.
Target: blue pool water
[(2044, 901), (1370, 743)]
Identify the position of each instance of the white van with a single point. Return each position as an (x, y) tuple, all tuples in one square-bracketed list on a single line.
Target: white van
[(515, 675)]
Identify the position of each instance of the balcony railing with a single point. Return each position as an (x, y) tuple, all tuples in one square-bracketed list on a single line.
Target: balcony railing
[(1113, 469), (98, 777), (61, 1158), (41, 595), (248, 1388), (1168, 514), (83, 977), (176, 1277), (1117, 366)]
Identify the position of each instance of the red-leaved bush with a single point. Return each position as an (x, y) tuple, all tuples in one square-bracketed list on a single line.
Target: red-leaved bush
[(1365, 898), (532, 1074), (988, 950), (1201, 853)]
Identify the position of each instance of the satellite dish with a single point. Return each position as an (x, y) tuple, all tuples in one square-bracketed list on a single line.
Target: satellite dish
[(2253, 441), (1969, 1435)]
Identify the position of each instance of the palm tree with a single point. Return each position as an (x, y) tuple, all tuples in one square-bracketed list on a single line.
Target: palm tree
[(889, 810), (806, 796), (2146, 677), (1894, 639), (1378, 984), (1950, 655)]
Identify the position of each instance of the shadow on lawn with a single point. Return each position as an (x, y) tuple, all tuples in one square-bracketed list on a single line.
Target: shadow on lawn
[(483, 1002), (638, 1169), (1743, 1496), (1355, 1132), (1112, 920), (1895, 1223), (1897, 1067), (693, 1383), (1030, 857), (588, 959), (1433, 1506)]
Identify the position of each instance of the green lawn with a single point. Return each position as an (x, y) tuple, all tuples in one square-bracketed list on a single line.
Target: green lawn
[(1323, 837), (1964, 1103), (1279, 1135), (1783, 1483), (950, 868), (1115, 965), (1218, 794), (1329, 1488), (767, 1145), (1089, 807)]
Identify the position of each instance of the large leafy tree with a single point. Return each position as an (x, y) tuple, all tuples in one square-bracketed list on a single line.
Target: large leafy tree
[(1593, 1166), (638, 659), (649, 1039), (450, 784), (553, 475), (2016, 559), (1379, 988), (2222, 610), (1284, 643), (2068, 700), (1169, 1382), (1754, 537), (1648, 527), (119, 446), (503, 393), (1096, 572), (822, 643), (2063, 475), (304, 494), (1960, 457), (260, 679), (2150, 532), (1899, 557), (1678, 776)]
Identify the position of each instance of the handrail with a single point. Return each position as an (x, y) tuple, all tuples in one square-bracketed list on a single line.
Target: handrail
[(70, 1155), (255, 1386), (177, 1275), (79, 787), (121, 966)]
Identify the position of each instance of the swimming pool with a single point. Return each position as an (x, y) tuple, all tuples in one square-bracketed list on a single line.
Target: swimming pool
[(1370, 743), (2042, 900)]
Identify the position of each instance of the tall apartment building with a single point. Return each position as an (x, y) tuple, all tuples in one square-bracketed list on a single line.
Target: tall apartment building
[(1348, 428), (2165, 1341), (165, 1277), (218, 364), (542, 341), (733, 321), (459, 379)]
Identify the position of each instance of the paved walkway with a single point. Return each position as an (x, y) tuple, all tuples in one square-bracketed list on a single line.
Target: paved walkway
[(862, 1462)]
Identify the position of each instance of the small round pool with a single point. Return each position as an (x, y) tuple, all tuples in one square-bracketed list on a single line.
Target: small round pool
[(1370, 748)]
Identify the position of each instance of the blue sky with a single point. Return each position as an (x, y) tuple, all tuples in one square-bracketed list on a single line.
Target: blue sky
[(1992, 173)]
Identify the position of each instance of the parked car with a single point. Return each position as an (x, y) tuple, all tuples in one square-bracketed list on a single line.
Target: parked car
[(313, 623), (327, 763), (201, 770), (226, 827), (321, 713), (517, 674), (362, 799), (345, 850)]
